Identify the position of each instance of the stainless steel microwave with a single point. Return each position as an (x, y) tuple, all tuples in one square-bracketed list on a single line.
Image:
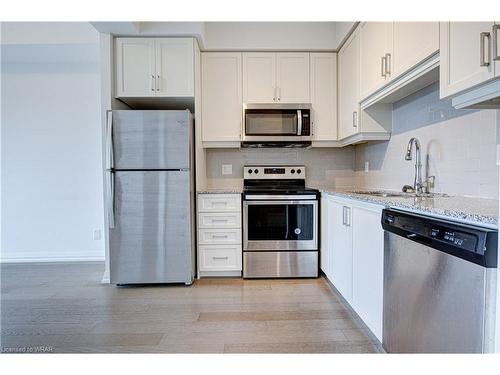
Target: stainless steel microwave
[(276, 123)]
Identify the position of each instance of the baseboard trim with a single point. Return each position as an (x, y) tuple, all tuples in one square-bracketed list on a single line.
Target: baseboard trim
[(35, 258)]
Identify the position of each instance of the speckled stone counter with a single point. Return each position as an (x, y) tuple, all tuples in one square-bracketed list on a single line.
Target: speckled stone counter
[(477, 211), (220, 191)]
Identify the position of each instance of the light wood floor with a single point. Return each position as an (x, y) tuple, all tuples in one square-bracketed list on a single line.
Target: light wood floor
[(64, 308)]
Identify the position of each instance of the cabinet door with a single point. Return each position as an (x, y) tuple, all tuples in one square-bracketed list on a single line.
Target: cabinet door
[(174, 67), (324, 96), (292, 71), (348, 80), (221, 96), (341, 242), (368, 267), (375, 43), (496, 57), (413, 43), (460, 55), (324, 251), (259, 77), (135, 67)]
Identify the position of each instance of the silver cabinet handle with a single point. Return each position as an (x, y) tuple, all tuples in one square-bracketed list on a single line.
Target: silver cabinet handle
[(355, 119), (219, 235), (382, 66), (220, 258), (220, 220), (388, 64), (482, 59), (494, 31), (152, 82), (158, 83), (279, 94), (348, 216), (343, 215)]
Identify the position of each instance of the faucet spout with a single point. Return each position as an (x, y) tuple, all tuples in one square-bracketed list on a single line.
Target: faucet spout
[(417, 182)]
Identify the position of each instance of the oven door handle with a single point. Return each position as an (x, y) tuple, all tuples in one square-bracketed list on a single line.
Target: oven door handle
[(269, 197)]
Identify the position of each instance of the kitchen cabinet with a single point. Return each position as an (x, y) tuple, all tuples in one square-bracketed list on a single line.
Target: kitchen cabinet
[(221, 97), (413, 42), (154, 67), (323, 79), (219, 235), (341, 246), (348, 86), (352, 255), (375, 57), (368, 266), (270, 77), (135, 67), (466, 55)]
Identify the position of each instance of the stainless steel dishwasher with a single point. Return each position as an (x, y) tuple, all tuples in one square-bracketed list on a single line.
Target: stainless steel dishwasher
[(439, 285)]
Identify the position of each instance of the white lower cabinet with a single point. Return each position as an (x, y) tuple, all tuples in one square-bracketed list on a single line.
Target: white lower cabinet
[(368, 266), (219, 235), (352, 255)]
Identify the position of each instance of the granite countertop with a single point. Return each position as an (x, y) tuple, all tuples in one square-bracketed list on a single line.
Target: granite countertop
[(477, 211), (220, 191)]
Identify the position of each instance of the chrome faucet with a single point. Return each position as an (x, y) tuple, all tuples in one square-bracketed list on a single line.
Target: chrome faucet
[(418, 185)]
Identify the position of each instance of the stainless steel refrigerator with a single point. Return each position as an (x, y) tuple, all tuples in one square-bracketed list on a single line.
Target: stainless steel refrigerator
[(150, 196)]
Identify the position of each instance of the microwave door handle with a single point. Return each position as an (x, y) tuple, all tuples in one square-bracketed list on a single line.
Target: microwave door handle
[(299, 120)]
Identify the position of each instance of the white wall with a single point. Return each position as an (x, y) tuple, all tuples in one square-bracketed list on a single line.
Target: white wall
[(52, 194), (460, 146)]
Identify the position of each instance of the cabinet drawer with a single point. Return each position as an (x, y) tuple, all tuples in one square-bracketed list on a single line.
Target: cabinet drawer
[(219, 202), (219, 220), (219, 236), (220, 257)]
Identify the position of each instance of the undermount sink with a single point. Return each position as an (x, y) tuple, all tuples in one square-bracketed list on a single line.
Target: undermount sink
[(388, 194)]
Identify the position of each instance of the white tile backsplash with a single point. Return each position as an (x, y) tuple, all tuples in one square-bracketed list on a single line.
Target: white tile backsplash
[(458, 147)]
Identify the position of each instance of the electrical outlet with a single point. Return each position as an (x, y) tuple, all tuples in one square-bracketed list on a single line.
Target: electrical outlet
[(227, 169), (367, 166), (97, 234)]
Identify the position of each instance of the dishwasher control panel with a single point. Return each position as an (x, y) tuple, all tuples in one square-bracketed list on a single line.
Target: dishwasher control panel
[(478, 245)]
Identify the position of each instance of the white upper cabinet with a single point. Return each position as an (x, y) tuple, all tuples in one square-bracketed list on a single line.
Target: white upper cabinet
[(348, 81), (466, 55), (174, 67), (375, 55), (496, 47), (221, 96), (324, 96), (135, 67), (413, 42), (161, 67), (270, 77), (292, 77), (259, 77)]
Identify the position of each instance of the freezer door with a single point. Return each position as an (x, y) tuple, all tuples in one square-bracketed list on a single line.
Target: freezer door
[(151, 139), (151, 239)]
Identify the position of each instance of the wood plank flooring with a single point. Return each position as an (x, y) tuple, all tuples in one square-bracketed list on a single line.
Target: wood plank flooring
[(63, 308)]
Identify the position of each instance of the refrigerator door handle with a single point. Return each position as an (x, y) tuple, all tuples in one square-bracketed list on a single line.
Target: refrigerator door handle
[(111, 199), (109, 141)]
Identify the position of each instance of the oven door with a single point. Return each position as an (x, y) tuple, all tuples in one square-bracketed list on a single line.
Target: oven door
[(271, 225)]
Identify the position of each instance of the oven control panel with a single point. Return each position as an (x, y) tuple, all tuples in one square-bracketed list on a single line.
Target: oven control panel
[(269, 172)]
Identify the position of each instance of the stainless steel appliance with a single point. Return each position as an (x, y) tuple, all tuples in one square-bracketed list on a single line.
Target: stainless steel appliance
[(439, 285), (280, 223), (150, 196), (276, 125)]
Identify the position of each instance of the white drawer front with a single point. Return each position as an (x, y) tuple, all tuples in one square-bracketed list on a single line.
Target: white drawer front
[(220, 257), (219, 202), (219, 236), (219, 220)]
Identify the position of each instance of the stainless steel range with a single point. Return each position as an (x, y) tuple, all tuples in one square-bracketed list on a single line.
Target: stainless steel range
[(280, 223)]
